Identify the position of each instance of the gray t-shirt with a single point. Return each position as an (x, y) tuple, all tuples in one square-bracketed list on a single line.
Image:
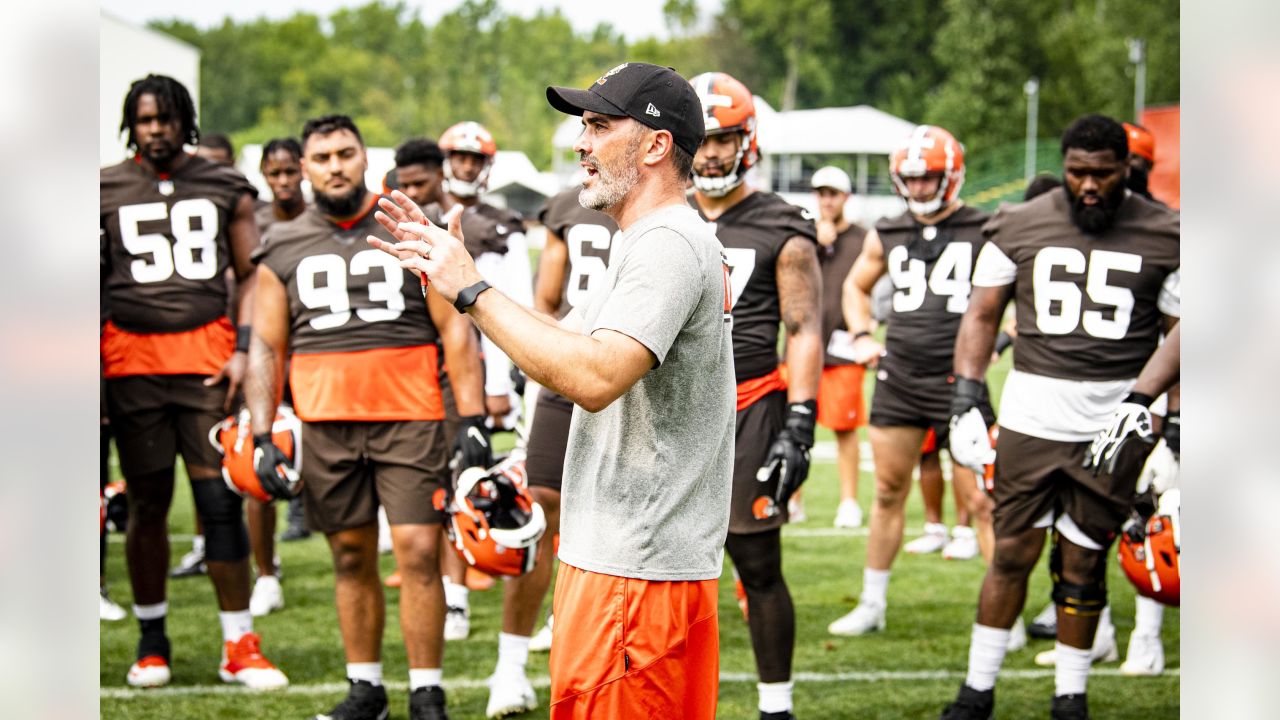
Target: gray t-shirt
[(647, 480)]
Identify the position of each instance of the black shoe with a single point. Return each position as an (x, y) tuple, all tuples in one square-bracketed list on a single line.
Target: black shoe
[(971, 704), (294, 532), (427, 703), (784, 715), (1070, 707), (364, 701)]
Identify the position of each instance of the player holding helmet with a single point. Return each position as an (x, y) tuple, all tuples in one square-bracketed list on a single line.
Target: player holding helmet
[(774, 278), (363, 370), (1093, 269)]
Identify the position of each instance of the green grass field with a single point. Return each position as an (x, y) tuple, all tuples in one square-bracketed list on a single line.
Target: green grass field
[(909, 671)]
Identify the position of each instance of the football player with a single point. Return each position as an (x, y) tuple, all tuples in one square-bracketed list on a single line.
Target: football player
[(495, 238), (282, 167), (363, 371), (172, 224), (928, 253), (419, 170), (217, 149), (1142, 159), (1093, 269), (770, 247), (840, 405), (573, 261)]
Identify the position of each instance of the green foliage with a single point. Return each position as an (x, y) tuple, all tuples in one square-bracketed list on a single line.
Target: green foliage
[(957, 63)]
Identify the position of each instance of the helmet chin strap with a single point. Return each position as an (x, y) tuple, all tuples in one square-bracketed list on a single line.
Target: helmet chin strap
[(718, 187), (462, 188)]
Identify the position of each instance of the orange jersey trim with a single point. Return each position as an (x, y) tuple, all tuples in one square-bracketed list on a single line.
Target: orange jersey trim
[(383, 384), (752, 390), (202, 351)]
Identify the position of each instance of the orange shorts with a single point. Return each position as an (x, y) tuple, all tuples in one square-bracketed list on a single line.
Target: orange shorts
[(628, 648), (840, 405)]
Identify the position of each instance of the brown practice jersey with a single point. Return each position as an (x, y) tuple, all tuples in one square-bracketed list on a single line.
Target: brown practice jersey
[(931, 268), (1087, 305), (753, 233), (835, 262), (588, 235), (264, 215), (166, 247), (484, 227), (362, 342)]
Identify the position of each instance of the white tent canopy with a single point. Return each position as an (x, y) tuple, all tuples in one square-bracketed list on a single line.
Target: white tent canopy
[(857, 130)]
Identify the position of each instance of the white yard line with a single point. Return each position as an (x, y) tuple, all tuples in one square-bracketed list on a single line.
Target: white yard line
[(126, 693)]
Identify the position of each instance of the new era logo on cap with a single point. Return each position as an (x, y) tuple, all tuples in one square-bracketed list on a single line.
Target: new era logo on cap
[(637, 90)]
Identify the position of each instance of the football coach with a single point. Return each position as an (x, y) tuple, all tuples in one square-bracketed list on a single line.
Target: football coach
[(648, 363)]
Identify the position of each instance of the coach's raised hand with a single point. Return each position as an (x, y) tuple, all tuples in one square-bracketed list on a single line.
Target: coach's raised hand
[(424, 248)]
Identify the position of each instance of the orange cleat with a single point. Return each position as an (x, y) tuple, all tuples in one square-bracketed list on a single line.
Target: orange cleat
[(242, 662), (393, 580), (150, 671)]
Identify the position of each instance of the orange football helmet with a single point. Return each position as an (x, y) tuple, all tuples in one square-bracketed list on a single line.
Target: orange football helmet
[(1141, 142), (929, 150), (727, 106), (1149, 552), (494, 523), (470, 137), (233, 438)]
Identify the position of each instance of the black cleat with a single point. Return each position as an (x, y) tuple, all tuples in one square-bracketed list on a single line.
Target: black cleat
[(364, 701), (1045, 625), (971, 704), (427, 703), (784, 715), (1070, 707), (190, 565)]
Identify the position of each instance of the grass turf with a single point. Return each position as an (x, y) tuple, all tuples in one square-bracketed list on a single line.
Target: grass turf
[(931, 607)]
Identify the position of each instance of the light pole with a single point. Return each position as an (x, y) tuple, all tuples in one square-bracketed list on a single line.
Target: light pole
[(1032, 90), (1138, 56)]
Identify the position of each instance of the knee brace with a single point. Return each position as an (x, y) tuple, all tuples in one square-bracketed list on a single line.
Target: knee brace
[(1083, 600), (222, 511)]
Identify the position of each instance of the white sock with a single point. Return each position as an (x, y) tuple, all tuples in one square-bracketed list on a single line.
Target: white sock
[(1148, 617), (987, 646), (513, 651), (775, 697), (197, 544), (235, 624), (424, 677), (455, 594), (1071, 670), (875, 586), (370, 672), (151, 612)]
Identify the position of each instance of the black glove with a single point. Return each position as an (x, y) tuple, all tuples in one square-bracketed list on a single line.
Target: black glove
[(518, 380), (471, 448), (968, 393), (789, 454), (970, 437), (1004, 341), (1130, 427), (274, 469), (1172, 432)]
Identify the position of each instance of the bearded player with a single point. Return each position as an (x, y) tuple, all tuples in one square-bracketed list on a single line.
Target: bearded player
[(1093, 269), (363, 371), (775, 279), (172, 225)]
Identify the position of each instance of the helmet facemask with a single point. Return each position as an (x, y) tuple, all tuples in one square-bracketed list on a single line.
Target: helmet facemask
[(462, 188), (717, 187)]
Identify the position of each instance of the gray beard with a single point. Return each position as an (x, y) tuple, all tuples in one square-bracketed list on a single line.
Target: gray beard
[(610, 187)]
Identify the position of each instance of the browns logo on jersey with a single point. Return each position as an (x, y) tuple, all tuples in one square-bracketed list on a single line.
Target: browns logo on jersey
[(166, 244), (362, 342), (931, 268), (753, 232), (1087, 305)]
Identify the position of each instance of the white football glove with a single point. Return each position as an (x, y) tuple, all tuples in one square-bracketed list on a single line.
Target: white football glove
[(1132, 420), (1161, 470), (971, 441)]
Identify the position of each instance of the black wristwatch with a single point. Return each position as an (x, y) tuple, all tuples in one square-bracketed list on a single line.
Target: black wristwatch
[(468, 296)]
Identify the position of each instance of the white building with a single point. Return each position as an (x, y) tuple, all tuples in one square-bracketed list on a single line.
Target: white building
[(128, 53)]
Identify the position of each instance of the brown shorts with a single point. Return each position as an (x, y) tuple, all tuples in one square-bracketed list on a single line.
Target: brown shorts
[(155, 417), (548, 440), (752, 509), (349, 468), (840, 405), (628, 648), (1035, 477)]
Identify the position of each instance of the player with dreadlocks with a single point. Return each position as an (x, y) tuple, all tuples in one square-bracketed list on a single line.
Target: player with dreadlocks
[(171, 225)]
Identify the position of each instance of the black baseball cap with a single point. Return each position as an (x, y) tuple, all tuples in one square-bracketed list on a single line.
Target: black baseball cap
[(651, 94)]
